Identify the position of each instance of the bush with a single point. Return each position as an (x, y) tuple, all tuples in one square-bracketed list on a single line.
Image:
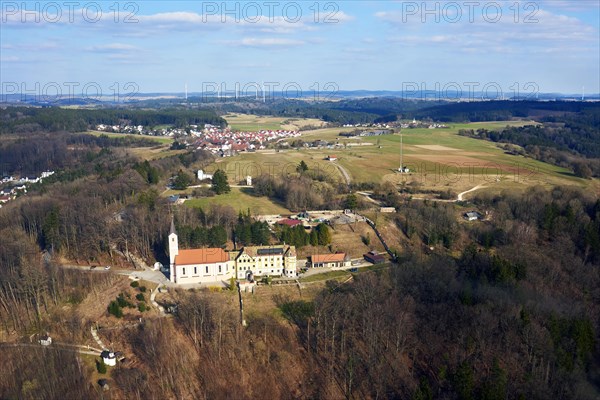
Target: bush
[(143, 289), (134, 284), (115, 309), (142, 307), (100, 366), (366, 239), (267, 280), (121, 301), (140, 297)]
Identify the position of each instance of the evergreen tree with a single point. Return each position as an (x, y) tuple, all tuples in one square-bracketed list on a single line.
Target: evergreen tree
[(182, 181), (323, 234), (217, 236), (351, 202), (219, 182), (314, 238), (302, 167)]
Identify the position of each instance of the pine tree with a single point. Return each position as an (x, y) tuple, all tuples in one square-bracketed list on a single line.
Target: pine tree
[(219, 182)]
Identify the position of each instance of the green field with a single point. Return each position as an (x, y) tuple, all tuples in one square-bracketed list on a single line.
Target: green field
[(241, 199), (439, 159)]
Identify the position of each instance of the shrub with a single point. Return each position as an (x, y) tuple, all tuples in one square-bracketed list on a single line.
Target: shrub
[(100, 366), (115, 309), (142, 307), (143, 289), (134, 284), (140, 297), (366, 239)]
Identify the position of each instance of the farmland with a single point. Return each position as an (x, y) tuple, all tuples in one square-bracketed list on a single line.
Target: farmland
[(249, 122), (241, 199), (439, 159)]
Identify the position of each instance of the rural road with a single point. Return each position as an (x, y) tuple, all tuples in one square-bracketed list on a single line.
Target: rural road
[(460, 196), (369, 198), (57, 346), (344, 173)]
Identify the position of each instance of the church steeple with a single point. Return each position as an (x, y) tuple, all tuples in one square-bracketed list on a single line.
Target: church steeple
[(172, 230), (173, 249)]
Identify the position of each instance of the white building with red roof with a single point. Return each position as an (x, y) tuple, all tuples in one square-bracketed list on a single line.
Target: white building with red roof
[(191, 266)]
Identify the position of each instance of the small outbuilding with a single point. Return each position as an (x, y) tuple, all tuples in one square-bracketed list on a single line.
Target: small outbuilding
[(374, 257), (45, 340), (109, 358), (472, 216)]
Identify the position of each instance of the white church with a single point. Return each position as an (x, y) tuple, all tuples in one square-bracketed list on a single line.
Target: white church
[(213, 265)]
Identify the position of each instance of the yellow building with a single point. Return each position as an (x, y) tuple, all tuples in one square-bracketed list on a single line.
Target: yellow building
[(252, 261)]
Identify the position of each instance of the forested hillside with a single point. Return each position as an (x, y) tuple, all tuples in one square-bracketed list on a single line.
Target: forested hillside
[(507, 307), (55, 119), (571, 141)]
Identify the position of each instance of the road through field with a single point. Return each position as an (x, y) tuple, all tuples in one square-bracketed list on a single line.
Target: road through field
[(461, 195), (344, 173)]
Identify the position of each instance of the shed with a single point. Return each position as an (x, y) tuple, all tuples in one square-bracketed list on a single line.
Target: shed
[(109, 358), (45, 340), (472, 216), (374, 257)]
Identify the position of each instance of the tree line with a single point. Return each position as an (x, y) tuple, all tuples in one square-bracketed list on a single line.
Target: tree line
[(56, 119)]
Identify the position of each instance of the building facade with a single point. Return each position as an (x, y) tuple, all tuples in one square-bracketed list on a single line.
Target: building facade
[(329, 260), (212, 265), (279, 260)]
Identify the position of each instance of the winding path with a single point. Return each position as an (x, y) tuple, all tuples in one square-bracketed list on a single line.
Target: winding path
[(461, 195)]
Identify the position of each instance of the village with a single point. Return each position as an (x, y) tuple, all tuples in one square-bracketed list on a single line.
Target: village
[(219, 141), (13, 187)]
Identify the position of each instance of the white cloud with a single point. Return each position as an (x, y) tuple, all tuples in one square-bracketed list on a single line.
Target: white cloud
[(550, 32), (268, 42), (113, 48)]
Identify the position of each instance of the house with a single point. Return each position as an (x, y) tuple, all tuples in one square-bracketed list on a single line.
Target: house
[(202, 176), (472, 216), (278, 260), (373, 257), (289, 222), (387, 210), (329, 260), (109, 358), (332, 158), (197, 265), (248, 180)]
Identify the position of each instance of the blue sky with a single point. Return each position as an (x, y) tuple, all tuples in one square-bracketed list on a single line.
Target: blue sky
[(376, 45)]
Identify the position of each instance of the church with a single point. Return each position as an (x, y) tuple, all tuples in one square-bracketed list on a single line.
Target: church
[(211, 265)]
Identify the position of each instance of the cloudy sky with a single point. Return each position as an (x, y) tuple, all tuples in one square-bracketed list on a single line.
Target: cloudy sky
[(550, 46)]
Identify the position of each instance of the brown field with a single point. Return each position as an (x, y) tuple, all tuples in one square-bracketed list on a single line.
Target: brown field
[(435, 147)]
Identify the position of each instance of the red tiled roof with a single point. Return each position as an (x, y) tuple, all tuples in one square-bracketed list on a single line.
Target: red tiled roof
[(289, 222), (326, 258), (201, 256)]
